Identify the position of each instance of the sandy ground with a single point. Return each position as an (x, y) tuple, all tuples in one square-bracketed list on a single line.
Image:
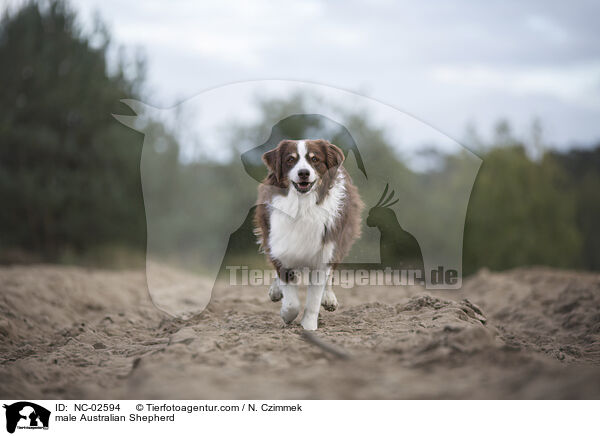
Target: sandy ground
[(76, 333)]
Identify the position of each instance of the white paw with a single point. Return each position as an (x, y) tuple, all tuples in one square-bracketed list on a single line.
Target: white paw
[(310, 321), (289, 312), (329, 302), (275, 293)]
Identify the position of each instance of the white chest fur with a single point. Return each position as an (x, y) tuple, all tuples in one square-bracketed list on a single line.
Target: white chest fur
[(297, 226)]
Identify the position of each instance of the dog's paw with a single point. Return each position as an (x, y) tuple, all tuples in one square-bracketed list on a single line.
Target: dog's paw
[(275, 293), (310, 321), (329, 302), (289, 312)]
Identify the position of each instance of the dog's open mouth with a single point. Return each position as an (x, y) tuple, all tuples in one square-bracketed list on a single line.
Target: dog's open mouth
[(303, 187)]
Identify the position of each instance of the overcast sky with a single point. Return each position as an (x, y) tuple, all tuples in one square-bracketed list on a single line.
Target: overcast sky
[(448, 63)]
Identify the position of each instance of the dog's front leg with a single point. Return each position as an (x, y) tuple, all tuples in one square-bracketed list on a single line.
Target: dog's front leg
[(275, 293), (290, 306), (314, 295)]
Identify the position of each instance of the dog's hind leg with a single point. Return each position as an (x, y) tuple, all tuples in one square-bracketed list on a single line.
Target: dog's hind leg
[(329, 301)]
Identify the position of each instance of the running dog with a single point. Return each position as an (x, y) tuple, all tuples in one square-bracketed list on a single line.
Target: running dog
[(307, 218)]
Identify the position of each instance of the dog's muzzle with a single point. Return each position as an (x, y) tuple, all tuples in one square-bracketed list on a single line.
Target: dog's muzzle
[(303, 187)]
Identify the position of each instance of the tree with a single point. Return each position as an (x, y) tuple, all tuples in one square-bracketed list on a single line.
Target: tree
[(69, 174), (520, 213), (583, 181)]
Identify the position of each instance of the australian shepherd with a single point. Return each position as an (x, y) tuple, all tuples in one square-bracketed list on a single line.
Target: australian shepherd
[(307, 218)]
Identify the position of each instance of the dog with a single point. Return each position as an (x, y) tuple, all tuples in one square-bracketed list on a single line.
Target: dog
[(308, 215)]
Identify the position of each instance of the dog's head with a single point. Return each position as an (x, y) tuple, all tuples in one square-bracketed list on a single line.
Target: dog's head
[(303, 164)]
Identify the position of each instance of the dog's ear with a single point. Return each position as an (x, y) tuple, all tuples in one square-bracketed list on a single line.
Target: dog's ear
[(335, 156), (272, 160)]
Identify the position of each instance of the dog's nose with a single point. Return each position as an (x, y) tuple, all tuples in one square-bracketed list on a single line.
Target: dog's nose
[(303, 174)]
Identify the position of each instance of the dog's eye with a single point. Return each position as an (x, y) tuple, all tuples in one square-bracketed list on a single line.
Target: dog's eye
[(314, 159), (290, 159)]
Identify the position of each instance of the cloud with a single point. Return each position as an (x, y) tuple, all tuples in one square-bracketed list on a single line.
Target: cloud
[(575, 84), (518, 60), (547, 28)]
